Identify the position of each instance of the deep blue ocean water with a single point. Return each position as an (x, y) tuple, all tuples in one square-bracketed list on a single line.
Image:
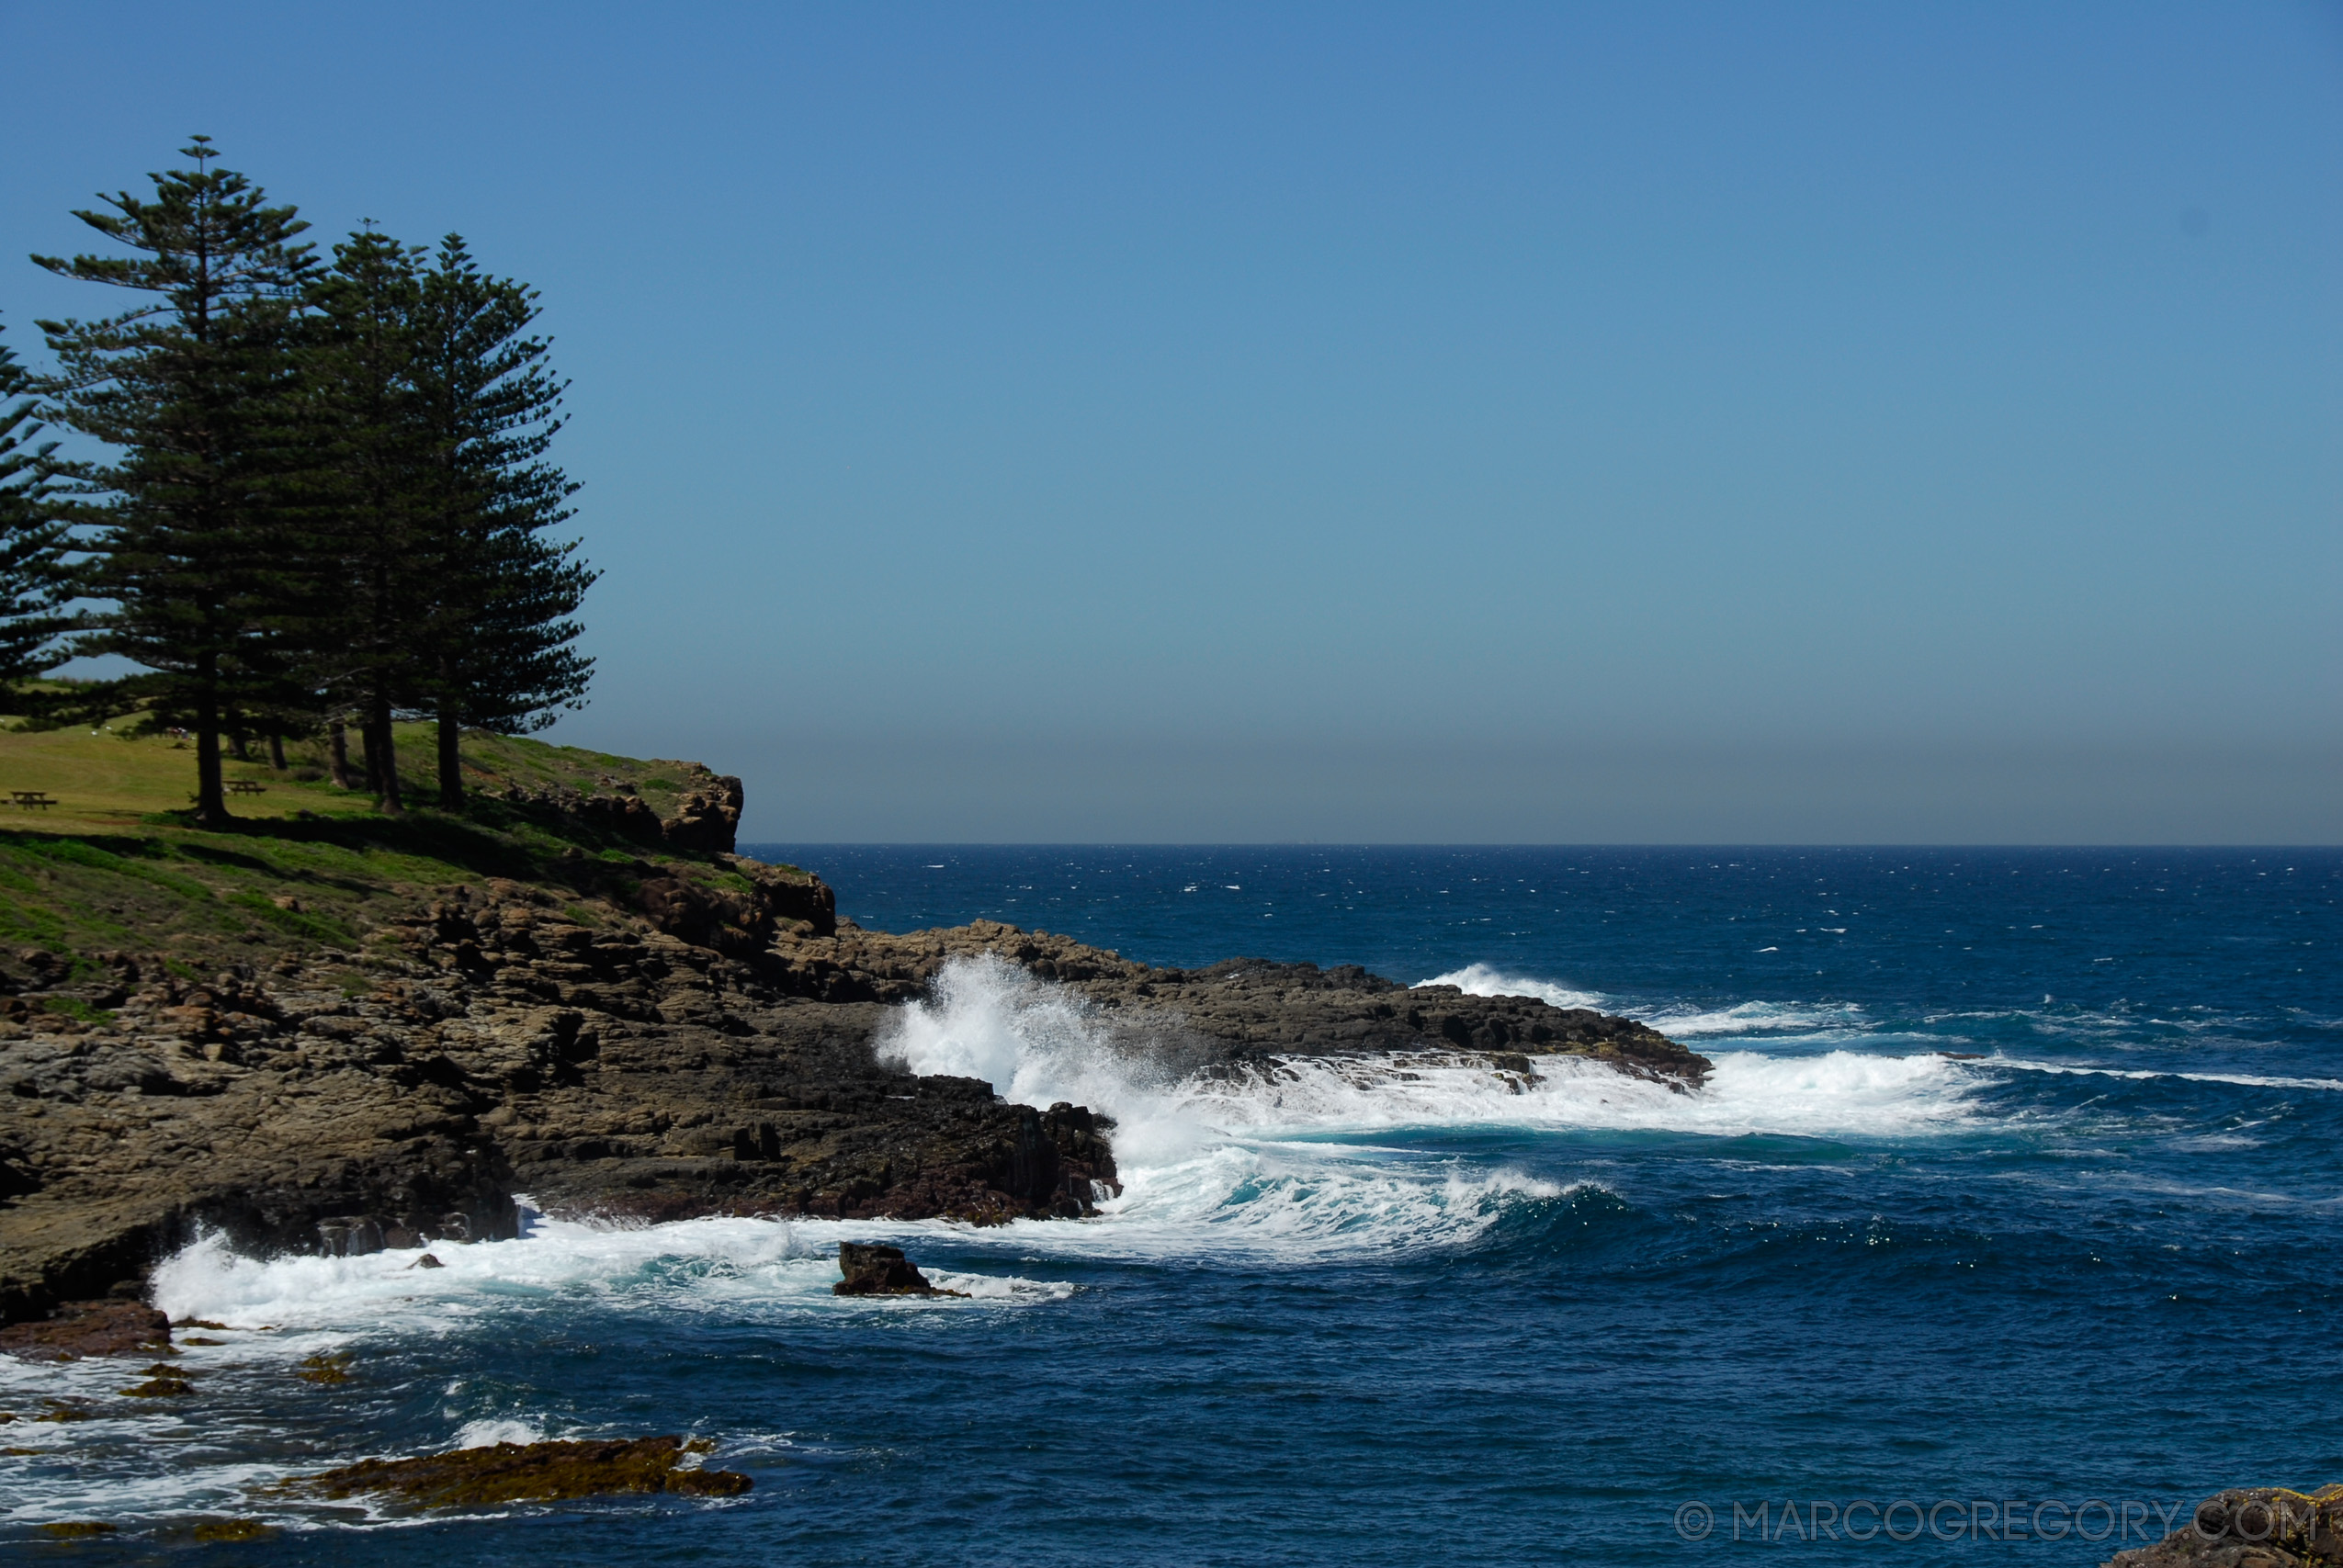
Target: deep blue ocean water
[(1353, 1316)]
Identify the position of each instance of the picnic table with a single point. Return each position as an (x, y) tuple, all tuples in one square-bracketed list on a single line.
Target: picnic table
[(246, 786), (28, 798)]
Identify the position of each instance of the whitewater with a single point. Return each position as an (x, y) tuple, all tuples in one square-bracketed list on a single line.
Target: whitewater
[(1922, 1210)]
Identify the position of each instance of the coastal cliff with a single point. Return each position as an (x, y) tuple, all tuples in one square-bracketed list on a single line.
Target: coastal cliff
[(586, 1003)]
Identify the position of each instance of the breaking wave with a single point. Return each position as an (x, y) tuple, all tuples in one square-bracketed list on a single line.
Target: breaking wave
[(1745, 1017), (1482, 980), (1292, 1159), (726, 1264), (1836, 1094), (1265, 1158)]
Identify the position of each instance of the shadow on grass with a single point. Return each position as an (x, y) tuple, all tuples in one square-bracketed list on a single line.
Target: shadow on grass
[(492, 837)]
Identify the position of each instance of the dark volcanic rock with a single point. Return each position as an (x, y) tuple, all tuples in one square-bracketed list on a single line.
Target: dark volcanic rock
[(2251, 1526), (113, 1327), (515, 1472), (873, 1269)]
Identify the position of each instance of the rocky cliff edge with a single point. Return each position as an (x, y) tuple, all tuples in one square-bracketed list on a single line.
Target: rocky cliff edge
[(637, 1038)]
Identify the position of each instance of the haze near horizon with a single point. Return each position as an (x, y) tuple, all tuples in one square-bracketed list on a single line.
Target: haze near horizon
[(1678, 424)]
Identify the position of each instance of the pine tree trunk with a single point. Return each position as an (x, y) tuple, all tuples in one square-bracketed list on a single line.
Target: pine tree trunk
[(337, 754), (386, 771), (211, 802), (235, 725), (373, 745), (277, 751), (451, 758)]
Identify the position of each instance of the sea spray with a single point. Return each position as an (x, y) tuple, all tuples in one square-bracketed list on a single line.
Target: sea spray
[(1676, 1021), (1242, 1159), (1038, 1042), (1836, 1094), (722, 1264), (1035, 1042), (1456, 1322), (1486, 980), (1262, 1159)]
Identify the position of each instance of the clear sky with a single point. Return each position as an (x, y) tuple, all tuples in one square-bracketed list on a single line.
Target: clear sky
[(1195, 423)]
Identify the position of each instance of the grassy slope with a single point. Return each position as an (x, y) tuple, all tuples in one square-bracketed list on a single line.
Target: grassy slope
[(108, 779), (116, 866)]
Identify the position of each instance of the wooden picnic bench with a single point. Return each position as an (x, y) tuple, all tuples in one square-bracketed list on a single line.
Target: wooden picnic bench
[(246, 786), (28, 798)]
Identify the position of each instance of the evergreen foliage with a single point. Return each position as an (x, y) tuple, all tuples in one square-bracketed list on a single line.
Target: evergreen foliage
[(327, 493), (33, 577), (370, 521), (502, 634), (194, 389)]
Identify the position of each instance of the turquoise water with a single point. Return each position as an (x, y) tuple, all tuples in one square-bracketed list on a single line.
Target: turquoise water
[(1358, 1317)]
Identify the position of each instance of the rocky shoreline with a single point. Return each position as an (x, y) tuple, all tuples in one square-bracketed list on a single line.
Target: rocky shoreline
[(622, 1039)]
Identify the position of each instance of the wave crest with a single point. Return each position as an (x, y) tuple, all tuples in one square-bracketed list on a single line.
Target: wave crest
[(1486, 980)]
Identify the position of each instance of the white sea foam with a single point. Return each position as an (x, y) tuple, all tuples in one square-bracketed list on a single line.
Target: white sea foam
[(1834, 1094), (1786, 1020), (1264, 1201), (1287, 1160), (1243, 1160), (729, 1264), (1292, 1162), (1790, 1019), (488, 1434), (1484, 980), (2244, 1081), (1037, 1042), (1034, 1041)]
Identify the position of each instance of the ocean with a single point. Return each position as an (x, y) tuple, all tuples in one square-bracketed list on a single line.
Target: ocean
[(2008, 1226)]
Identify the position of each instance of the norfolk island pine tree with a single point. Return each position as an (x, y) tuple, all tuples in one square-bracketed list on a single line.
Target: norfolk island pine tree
[(192, 539), (34, 579), (502, 633)]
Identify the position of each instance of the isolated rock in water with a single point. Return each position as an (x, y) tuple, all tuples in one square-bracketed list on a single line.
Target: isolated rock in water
[(517, 1473), (162, 1383), (872, 1269), (2251, 1526), (90, 1328)]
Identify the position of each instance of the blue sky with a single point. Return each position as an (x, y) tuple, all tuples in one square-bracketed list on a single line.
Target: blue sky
[(1544, 423)]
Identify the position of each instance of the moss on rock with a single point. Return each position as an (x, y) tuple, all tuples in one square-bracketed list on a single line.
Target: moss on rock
[(517, 1473)]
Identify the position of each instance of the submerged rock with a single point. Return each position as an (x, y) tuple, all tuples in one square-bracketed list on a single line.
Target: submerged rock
[(873, 1269), (90, 1328), (162, 1383), (520, 1472), (2251, 1526)]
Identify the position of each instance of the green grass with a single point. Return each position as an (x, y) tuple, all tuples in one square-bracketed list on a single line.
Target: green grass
[(112, 778), (121, 867)]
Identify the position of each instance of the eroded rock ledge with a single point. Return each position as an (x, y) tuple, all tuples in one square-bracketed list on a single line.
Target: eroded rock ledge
[(681, 1047)]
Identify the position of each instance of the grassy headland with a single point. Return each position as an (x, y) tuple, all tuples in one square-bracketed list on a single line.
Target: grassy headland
[(311, 869)]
